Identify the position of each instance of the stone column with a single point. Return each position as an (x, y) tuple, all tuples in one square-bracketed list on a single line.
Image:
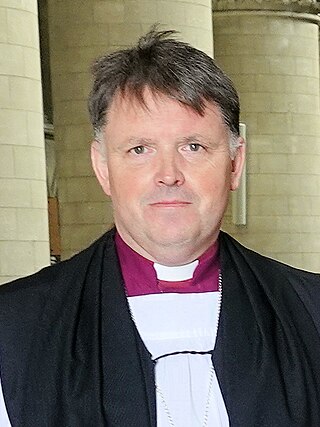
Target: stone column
[(272, 56), (24, 246), (80, 31)]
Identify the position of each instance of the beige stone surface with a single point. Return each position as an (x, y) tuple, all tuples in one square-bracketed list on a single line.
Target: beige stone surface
[(23, 201)]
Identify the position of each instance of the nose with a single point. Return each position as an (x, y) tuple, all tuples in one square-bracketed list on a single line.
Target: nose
[(169, 171)]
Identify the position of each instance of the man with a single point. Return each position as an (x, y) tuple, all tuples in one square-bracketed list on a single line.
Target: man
[(164, 320)]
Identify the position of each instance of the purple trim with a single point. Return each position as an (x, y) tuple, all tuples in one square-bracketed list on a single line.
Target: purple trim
[(140, 276)]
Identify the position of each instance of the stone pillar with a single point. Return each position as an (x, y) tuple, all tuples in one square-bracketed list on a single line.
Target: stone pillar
[(273, 58), (80, 31), (24, 246)]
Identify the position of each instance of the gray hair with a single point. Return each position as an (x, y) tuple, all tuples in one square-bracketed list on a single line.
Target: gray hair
[(164, 66)]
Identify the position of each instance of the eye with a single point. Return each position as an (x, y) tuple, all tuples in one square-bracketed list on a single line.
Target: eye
[(140, 149), (195, 147)]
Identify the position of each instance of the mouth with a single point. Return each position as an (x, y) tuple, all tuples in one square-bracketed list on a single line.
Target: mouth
[(170, 204)]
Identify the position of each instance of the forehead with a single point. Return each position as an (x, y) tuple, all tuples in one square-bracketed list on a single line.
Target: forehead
[(161, 114)]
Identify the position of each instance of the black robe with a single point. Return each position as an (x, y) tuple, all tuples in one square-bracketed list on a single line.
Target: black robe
[(71, 356)]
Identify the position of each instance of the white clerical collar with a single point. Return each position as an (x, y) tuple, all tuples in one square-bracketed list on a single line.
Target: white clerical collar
[(176, 273)]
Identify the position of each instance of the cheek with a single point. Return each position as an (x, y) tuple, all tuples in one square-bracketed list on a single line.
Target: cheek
[(125, 189)]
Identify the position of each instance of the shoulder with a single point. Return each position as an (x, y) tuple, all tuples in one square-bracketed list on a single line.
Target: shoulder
[(27, 295), (274, 274)]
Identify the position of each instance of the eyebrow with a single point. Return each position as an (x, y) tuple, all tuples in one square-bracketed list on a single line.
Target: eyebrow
[(138, 141)]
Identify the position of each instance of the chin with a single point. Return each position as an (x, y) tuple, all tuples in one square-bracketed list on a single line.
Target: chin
[(165, 238)]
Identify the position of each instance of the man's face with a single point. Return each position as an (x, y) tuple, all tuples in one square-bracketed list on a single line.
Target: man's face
[(168, 172)]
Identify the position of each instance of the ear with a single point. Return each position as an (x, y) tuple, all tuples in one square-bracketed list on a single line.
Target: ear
[(237, 164), (100, 166)]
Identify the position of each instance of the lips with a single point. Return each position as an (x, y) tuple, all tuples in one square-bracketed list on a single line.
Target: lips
[(170, 203)]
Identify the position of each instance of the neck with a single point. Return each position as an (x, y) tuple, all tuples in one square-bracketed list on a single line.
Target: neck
[(170, 255)]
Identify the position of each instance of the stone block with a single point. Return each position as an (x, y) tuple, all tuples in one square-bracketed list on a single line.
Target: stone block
[(282, 65), (29, 162), (260, 144), (250, 64), (32, 68), (255, 25), (32, 224), (198, 16), (306, 124), (82, 163), (41, 255), (243, 83), (63, 13), (38, 194), (306, 104), (262, 224), (303, 47), (11, 60), (271, 205), (124, 34), (77, 237), (281, 103), (274, 123), (77, 189), (71, 112), (253, 164), (273, 45), (14, 193), (308, 67), (171, 12), (30, 6), (25, 94), (108, 12), (6, 161), (282, 26), (293, 185), (300, 205), (8, 223), (255, 102), (13, 126), (301, 84), (35, 129), (5, 92), (261, 184), (311, 245), (65, 163), (225, 25), (270, 163), (306, 29), (144, 12), (76, 60), (72, 87), (86, 213), (3, 26), (269, 83), (22, 28), (79, 35), (16, 258), (197, 37), (294, 144), (305, 165), (74, 135), (251, 120), (25, 5), (241, 45)]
